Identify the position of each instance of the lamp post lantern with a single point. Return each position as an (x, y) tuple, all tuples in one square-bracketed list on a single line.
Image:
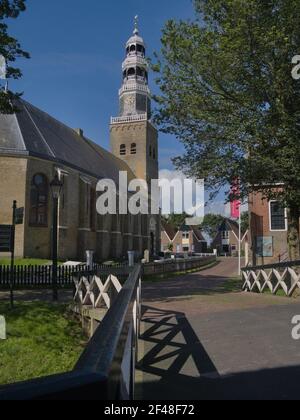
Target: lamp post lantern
[(56, 187)]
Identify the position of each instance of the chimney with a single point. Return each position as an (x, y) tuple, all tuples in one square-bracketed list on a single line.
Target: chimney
[(79, 131)]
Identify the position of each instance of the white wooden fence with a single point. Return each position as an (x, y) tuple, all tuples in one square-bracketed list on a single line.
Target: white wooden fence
[(282, 276), (96, 292)]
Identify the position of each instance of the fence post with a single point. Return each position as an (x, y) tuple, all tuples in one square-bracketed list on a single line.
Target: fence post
[(131, 258)]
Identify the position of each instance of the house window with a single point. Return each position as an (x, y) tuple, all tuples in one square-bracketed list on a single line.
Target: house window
[(39, 201), (123, 150), (133, 149), (186, 235), (225, 235), (277, 216)]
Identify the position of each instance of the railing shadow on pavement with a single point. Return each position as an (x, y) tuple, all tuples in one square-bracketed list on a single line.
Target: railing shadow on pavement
[(172, 348), (170, 344)]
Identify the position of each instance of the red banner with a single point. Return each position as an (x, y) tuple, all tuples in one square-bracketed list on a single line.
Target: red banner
[(235, 203)]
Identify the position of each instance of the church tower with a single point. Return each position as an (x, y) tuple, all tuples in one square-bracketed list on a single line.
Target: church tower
[(133, 137)]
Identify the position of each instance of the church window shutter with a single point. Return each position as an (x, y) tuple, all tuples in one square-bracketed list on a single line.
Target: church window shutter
[(123, 150), (133, 149)]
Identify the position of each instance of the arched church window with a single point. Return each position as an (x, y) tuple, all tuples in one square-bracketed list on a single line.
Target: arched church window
[(139, 71), (39, 201), (133, 149), (131, 72), (150, 151), (141, 49), (132, 48), (123, 150)]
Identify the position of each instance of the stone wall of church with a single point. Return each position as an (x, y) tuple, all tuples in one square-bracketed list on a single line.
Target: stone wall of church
[(80, 227), (12, 187), (69, 216)]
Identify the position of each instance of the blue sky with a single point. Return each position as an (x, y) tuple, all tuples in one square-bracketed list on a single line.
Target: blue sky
[(76, 52), (77, 49)]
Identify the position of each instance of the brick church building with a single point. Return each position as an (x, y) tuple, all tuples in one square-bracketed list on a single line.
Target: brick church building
[(34, 147)]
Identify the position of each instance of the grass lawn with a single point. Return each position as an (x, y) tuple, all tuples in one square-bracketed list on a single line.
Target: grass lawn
[(24, 261), (42, 340)]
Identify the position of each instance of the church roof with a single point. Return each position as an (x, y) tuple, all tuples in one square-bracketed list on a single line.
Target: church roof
[(32, 132)]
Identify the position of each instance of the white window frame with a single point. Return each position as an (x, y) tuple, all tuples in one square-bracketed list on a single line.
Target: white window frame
[(270, 219), (227, 236)]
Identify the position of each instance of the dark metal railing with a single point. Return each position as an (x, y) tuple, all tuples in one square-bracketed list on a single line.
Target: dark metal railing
[(41, 276), (106, 369), (178, 265)]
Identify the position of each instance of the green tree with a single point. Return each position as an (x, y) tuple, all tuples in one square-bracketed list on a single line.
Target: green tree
[(212, 223), (10, 49), (228, 95), (245, 221), (175, 220), (170, 247)]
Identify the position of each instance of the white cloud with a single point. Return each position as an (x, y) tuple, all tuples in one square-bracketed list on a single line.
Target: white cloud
[(190, 199)]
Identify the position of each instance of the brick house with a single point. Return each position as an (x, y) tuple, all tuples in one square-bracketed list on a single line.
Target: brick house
[(186, 239), (226, 241), (268, 231)]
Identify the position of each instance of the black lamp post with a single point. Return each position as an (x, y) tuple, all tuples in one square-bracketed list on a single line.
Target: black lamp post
[(56, 187)]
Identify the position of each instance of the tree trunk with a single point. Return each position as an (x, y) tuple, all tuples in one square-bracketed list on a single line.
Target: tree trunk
[(293, 233)]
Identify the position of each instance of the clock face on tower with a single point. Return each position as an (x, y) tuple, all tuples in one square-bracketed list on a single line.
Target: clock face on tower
[(129, 104)]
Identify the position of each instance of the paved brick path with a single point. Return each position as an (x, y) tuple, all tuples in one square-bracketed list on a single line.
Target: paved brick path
[(202, 341)]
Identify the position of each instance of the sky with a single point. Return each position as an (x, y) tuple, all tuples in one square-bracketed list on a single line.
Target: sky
[(77, 48)]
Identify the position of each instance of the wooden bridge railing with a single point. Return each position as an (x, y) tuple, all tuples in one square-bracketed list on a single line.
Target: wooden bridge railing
[(106, 369), (273, 277)]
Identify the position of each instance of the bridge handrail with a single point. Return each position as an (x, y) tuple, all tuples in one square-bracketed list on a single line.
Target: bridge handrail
[(98, 374)]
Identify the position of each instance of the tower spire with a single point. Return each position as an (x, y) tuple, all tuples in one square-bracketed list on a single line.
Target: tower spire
[(135, 96), (136, 25)]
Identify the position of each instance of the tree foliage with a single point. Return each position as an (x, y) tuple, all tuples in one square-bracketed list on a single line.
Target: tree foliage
[(245, 222), (10, 49), (212, 223), (228, 95), (175, 220)]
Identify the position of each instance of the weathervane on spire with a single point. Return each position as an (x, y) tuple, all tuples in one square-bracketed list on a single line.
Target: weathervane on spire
[(136, 23)]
